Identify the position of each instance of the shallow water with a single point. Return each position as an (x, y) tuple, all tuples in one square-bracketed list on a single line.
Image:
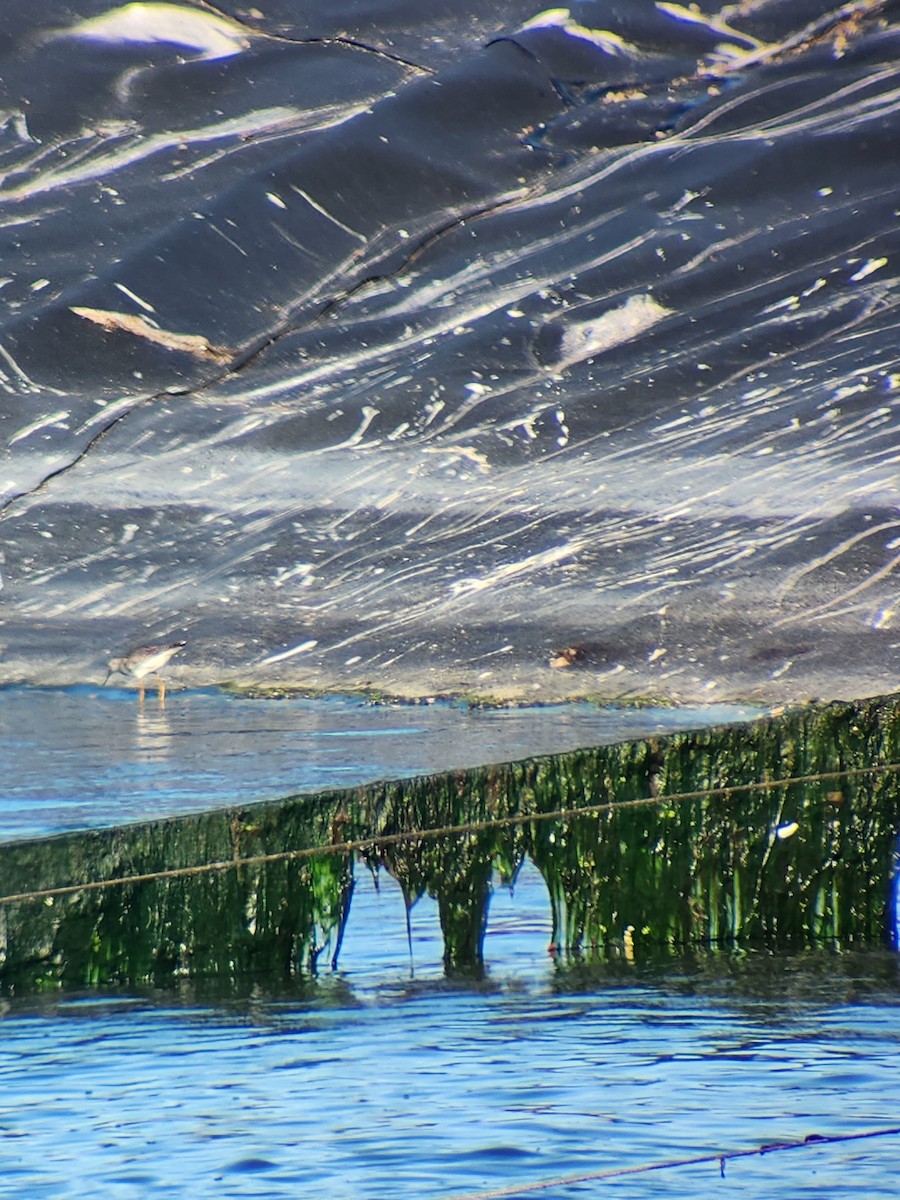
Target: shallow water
[(372, 1083), (81, 758)]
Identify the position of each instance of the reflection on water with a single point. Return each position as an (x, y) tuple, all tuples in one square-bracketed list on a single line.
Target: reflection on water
[(387, 1077), (777, 832), (82, 758), (371, 1083), (153, 733)]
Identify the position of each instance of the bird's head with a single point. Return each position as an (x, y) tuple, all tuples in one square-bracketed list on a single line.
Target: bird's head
[(113, 667)]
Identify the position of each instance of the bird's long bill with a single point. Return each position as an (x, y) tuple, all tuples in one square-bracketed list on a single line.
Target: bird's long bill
[(108, 674)]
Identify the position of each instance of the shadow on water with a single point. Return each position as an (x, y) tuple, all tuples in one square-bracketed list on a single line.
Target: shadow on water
[(780, 832)]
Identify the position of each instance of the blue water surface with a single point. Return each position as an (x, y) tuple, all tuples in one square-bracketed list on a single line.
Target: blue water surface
[(635, 1077), (82, 757), (385, 1079)]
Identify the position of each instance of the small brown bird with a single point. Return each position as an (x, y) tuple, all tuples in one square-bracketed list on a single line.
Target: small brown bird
[(143, 661), (567, 657)]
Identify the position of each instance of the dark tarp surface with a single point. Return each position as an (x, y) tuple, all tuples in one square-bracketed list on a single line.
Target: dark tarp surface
[(425, 345)]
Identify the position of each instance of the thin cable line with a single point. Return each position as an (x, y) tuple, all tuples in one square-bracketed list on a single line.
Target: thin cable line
[(720, 1157), (394, 839)]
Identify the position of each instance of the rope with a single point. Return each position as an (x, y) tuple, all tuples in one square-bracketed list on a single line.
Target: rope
[(720, 1157), (395, 839)]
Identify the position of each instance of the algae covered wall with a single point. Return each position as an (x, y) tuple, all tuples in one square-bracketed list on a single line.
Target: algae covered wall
[(691, 838)]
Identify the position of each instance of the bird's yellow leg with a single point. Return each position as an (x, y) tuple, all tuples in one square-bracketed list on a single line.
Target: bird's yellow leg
[(162, 691)]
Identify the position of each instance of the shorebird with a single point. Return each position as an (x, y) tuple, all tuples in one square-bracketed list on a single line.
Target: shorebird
[(143, 661)]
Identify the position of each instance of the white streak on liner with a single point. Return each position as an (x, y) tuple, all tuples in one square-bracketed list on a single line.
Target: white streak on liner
[(41, 423), (274, 658), (869, 268), (208, 35), (325, 213), (37, 387), (144, 304)]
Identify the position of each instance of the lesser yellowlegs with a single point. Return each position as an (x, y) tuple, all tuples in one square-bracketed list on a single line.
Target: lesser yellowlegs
[(143, 661)]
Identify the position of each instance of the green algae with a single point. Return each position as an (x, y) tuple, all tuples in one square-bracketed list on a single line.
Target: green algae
[(644, 844), (466, 698)]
